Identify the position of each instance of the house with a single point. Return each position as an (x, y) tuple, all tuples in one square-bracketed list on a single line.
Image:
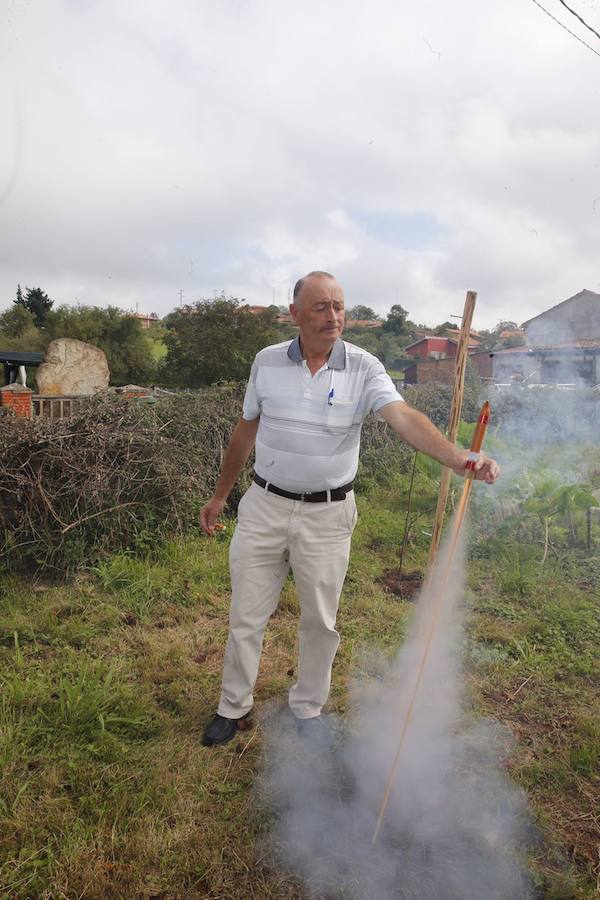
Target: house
[(443, 371), (430, 371), (563, 345), (363, 323), (146, 320), (577, 318), (280, 318), (575, 362), (435, 346)]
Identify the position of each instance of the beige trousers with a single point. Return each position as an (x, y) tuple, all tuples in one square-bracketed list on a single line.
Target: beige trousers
[(272, 535)]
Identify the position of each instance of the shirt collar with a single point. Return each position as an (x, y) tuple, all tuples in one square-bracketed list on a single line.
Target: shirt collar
[(337, 357)]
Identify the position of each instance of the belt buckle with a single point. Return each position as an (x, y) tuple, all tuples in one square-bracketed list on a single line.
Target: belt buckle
[(305, 494)]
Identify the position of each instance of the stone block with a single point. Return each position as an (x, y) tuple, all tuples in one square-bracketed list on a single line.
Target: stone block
[(72, 369)]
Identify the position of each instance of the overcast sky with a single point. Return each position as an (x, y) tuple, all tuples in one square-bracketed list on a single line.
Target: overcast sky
[(414, 150)]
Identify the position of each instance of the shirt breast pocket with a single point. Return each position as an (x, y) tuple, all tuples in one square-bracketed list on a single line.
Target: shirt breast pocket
[(341, 412)]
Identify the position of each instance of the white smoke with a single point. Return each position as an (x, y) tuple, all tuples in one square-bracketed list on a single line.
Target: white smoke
[(454, 825)]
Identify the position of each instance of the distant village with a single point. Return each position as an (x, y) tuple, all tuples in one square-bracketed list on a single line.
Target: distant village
[(559, 346)]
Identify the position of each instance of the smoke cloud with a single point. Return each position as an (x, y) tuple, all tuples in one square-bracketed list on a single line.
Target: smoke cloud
[(454, 824), (547, 426)]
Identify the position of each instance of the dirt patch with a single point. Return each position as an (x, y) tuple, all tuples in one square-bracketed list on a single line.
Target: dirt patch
[(401, 584)]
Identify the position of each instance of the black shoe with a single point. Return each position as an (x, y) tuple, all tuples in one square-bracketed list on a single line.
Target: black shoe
[(219, 730)]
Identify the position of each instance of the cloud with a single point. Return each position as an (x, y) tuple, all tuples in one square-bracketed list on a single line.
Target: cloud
[(234, 146)]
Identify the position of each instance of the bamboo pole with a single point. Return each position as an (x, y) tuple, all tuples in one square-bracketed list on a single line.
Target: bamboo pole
[(462, 352)]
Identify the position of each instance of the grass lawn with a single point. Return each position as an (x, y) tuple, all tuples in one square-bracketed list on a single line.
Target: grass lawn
[(105, 790)]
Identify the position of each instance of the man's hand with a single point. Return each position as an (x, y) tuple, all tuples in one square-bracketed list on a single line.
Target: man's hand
[(209, 515), (486, 468), (238, 450)]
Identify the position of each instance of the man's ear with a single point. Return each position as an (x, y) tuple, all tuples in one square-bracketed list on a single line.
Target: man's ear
[(294, 312)]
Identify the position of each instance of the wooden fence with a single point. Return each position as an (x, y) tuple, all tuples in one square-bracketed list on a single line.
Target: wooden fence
[(56, 407)]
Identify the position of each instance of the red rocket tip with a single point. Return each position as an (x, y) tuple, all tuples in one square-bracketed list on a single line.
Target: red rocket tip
[(482, 423)]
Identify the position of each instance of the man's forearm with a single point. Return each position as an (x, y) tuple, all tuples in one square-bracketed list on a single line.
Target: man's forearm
[(418, 431), (238, 450)]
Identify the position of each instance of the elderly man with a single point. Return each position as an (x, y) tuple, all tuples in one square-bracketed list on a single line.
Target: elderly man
[(303, 410)]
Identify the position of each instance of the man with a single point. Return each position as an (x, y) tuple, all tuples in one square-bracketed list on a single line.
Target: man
[(304, 406)]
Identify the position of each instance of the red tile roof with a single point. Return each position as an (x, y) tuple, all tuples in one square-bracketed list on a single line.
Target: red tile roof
[(581, 344)]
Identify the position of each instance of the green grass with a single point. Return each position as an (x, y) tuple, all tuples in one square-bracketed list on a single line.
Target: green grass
[(105, 790), (541, 675)]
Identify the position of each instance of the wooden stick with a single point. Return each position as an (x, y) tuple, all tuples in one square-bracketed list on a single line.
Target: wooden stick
[(462, 353)]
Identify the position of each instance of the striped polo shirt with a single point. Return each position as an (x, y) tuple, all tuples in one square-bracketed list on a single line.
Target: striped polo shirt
[(308, 436)]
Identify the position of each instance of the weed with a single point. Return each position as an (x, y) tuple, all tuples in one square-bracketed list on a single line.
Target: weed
[(104, 788), (516, 573)]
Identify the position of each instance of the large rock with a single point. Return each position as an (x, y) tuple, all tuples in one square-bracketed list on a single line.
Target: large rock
[(72, 368)]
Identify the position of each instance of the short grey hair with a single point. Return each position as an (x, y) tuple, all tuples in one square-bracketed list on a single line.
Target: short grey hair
[(300, 283)]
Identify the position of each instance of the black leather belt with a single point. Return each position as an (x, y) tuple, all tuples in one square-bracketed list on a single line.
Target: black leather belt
[(309, 497)]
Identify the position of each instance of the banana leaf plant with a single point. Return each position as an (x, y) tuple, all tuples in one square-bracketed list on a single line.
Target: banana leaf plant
[(548, 499)]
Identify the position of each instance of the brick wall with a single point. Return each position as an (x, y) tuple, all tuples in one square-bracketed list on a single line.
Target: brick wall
[(18, 398), (484, 364), (435, 371)]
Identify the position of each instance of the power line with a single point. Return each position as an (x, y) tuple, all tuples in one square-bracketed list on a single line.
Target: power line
[(572, 33), (577, 16)]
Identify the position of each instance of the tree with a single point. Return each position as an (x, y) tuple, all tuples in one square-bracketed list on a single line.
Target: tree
[(366, 338), (213, 340), (391, 351), (513, 340), (130, 351), (396, 320), (270, 315), (361, 312), (18, 330), (444, 327), (16, 321), (492, 340), (36, 301)]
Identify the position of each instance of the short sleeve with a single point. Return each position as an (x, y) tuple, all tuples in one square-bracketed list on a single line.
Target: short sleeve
[(251, 408), (379, 388)]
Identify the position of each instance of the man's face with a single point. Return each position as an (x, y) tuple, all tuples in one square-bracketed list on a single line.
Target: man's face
[(319, 310)]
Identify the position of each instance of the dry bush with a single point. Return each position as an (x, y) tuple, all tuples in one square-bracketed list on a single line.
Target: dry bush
[(118, 475), (126, 474)]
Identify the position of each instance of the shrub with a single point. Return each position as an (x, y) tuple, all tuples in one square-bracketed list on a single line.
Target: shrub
[(125, 475), (118, 475), (435, 400)]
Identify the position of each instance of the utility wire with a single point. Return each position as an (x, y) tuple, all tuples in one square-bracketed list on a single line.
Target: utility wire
[(572, 33), (577, 16)]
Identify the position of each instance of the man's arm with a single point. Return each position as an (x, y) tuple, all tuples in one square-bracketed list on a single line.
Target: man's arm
[(420, 432), (238, 450)]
